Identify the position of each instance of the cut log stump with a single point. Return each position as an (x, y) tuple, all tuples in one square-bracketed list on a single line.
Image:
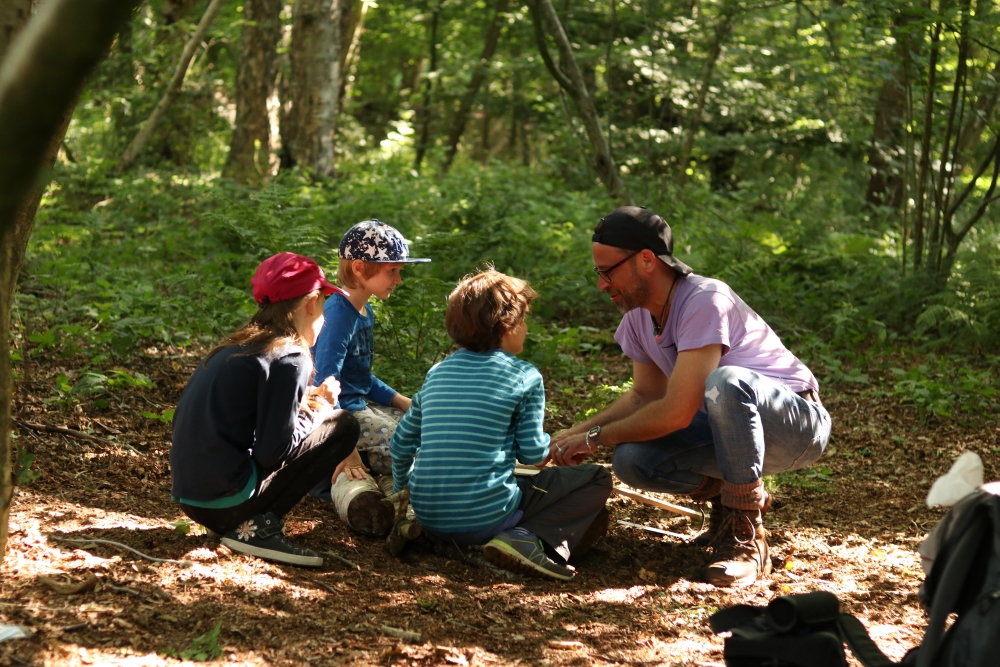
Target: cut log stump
[(360, 504)]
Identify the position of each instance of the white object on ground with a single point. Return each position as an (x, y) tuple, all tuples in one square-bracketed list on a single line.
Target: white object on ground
[(14, 632), (965, 477)]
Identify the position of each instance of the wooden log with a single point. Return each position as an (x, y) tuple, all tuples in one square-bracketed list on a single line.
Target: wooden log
[(359, 504)]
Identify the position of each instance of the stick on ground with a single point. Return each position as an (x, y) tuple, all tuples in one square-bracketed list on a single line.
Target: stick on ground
[(182, 563), (654, 502)]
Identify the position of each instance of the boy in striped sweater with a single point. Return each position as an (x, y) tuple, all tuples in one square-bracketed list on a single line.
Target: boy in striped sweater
[(479, 412)]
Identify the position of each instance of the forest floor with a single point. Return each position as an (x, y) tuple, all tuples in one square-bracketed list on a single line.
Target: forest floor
[(850, 526)]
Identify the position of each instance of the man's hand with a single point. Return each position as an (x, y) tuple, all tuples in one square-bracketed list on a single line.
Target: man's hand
[(329, 390), (570, 450), (352, 465)]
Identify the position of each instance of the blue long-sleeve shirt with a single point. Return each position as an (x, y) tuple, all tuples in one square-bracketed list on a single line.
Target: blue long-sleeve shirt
[(345, 349), (475, 416)]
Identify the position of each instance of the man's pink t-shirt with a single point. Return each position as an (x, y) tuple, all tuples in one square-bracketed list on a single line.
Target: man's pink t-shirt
[(706, 311)]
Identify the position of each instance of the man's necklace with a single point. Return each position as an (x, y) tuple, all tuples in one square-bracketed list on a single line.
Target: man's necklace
[(657, 324)]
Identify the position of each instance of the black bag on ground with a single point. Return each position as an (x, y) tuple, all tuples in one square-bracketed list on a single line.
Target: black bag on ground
[(809, 631)]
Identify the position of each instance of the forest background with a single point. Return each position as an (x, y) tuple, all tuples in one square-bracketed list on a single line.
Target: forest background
[(834, 161)]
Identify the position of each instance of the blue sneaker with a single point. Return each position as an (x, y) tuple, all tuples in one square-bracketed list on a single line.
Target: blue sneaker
[(525, 554)]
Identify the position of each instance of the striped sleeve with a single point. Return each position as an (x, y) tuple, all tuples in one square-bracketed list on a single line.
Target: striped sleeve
[(405, 443), (530, 439)]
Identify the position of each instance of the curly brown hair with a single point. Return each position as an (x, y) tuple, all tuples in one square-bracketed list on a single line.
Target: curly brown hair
[(485, 306)]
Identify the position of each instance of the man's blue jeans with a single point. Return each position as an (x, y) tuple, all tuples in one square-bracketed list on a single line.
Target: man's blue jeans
[(751, 426)]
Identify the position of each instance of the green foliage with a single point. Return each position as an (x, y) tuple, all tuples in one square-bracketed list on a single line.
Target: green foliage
[(166, 416), (946, 384), (817, 478), (204, 648)]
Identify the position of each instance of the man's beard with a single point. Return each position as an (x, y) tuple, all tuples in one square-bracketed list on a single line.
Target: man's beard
[(633, 298)]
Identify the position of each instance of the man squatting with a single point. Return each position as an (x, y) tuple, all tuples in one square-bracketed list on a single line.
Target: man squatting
[(717, 401)]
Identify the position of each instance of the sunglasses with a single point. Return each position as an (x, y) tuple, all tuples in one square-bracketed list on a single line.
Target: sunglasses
[(606, 273)]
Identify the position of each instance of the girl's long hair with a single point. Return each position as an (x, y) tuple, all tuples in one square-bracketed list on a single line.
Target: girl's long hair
[(271, 327)]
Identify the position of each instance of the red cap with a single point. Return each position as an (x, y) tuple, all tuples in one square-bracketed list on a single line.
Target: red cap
[(287, 276)]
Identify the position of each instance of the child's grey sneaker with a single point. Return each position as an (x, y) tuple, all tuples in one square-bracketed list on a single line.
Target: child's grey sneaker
[(262, 536), (525, 555)]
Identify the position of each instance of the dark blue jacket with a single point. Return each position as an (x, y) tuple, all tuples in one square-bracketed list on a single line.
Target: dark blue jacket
[(237, 408)]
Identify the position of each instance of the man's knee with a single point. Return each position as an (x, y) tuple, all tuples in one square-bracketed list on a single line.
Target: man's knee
[(625, 464), (727, 383)]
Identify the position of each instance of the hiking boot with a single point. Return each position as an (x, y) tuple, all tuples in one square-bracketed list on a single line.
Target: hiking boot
[(740, 549), (715, 519), (523, 552), (261, 535)]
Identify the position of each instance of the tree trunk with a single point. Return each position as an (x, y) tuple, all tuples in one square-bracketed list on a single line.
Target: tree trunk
[(461, 116), (573, 83), (315, 84), (349, 55), (423, 115), (719, 36), (128, 158), (885, 186), (925, 149), (40, 78), (13, 15), (249, 151)]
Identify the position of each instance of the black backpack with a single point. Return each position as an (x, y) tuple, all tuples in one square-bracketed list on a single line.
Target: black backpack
[(808, 630)]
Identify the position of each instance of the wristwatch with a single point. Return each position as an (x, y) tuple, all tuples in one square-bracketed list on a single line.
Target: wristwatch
[(594, 433)]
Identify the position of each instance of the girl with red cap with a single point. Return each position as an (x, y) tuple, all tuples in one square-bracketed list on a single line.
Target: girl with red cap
[(251, 435)]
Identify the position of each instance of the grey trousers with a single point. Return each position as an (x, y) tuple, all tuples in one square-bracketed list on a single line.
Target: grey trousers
[(558, 505)]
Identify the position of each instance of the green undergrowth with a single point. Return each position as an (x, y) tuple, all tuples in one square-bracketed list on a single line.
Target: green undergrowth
[(116, 265)]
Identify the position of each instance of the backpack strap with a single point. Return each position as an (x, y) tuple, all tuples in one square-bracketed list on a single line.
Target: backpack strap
[(735, 616), (949, 584), (857, 639)]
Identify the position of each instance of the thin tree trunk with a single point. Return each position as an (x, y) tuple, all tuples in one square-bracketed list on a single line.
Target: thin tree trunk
[(128, 158), (925, 149), (945, 173), (572, 82), (315, 56), (720, 34), (885, 185), (461, 116), (349, 64), (40, 78), (424, 110), (249, 150)]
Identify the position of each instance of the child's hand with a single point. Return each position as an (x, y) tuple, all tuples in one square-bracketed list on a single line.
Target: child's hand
[(329, 390), (401, 402), (352, 465)]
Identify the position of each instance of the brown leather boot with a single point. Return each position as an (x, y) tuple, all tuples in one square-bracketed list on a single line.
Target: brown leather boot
[(740, 549), (715, 519)]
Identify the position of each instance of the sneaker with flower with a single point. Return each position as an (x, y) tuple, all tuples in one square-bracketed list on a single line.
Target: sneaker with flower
[(262, 535)]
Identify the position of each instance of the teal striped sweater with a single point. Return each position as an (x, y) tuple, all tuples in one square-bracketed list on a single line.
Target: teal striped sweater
[(476, 414)]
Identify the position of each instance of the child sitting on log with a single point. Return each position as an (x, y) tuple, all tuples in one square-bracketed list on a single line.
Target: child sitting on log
[(479, 412), (251, 435), (371, 256)]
